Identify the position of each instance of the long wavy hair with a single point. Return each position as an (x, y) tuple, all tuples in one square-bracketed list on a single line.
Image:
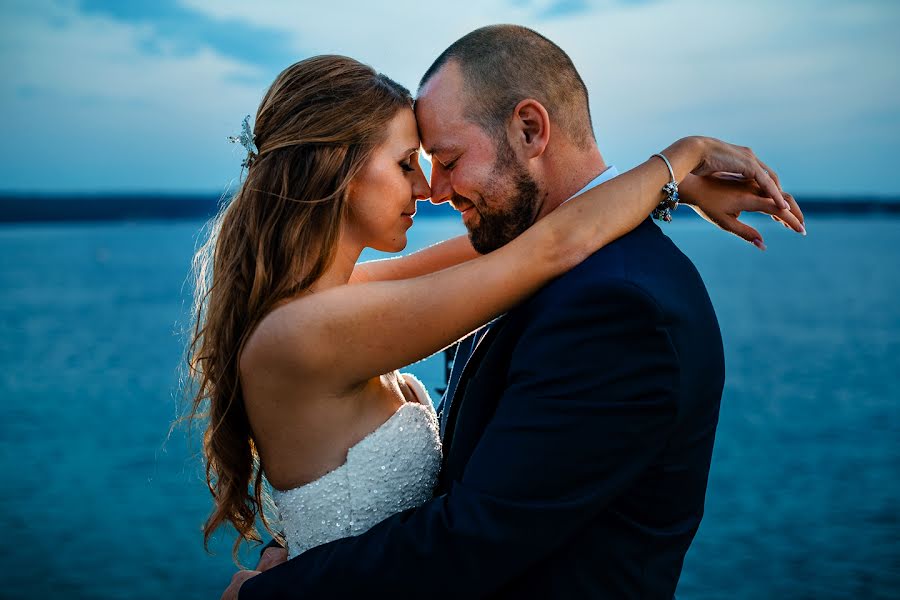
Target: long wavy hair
[(315, 129)]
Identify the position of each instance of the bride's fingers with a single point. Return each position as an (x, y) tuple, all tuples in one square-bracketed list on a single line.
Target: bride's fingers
[(771, 173), (724, 158), (743, 231), (797, 222), (792, 221), (768, 185), (768, 206), (757, 202), (795, 208), (792, 218)]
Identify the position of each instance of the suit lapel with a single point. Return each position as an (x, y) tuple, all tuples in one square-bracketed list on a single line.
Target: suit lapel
[(482, 341), (460, 358)]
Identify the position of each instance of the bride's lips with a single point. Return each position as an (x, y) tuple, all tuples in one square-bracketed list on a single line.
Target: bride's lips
[(408, 216)]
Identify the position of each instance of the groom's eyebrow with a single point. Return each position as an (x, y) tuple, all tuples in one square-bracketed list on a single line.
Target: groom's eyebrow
[(437, 150)]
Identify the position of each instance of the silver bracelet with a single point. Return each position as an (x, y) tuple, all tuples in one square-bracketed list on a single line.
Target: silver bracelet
[(663, 212)]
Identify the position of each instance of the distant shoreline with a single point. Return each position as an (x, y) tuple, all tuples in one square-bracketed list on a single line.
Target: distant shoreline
[(36, 208)]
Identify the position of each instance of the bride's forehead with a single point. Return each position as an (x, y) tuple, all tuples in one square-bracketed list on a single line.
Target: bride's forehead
[(404, 124)]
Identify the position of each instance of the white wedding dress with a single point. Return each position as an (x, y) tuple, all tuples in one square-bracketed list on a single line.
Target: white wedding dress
[(390, 470)]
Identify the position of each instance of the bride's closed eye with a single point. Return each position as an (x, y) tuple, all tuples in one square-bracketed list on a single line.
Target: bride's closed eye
[(407, 165)]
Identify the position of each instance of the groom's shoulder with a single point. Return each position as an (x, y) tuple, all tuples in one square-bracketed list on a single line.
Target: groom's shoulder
[(643, 265), (636, 259)]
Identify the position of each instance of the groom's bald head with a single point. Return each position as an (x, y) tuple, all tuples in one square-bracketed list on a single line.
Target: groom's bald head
[(504, 64)]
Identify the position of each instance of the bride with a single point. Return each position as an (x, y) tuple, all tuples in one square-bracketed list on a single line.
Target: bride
[(296, 347)]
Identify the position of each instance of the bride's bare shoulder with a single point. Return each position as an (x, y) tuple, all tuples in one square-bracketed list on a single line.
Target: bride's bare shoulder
[(285, 339)]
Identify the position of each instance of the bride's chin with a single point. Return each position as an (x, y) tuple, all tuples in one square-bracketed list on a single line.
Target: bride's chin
[(395, 245)]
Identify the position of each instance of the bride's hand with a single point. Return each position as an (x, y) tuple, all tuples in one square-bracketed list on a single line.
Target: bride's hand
[(718, 157), (234, 588), (720, 199), (272, 557)]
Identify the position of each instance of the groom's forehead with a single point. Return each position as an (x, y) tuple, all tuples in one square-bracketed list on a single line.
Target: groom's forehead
[(441, 137), (442, 94), (441, 112), (440, 130)]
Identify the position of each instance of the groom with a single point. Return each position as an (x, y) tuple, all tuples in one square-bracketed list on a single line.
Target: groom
[(578, 428)]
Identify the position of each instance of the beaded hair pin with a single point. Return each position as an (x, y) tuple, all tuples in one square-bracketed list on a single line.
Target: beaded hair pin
[(248, 141)]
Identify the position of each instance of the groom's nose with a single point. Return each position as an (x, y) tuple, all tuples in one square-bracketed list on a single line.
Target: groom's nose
[(441, 190)]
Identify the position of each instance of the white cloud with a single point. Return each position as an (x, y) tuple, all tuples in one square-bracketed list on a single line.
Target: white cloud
[(86, 94), (810, 85), (398, 38), (804, 77), (784, 78)]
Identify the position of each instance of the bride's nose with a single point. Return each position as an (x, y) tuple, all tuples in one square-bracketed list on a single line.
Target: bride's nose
[(421, 189)]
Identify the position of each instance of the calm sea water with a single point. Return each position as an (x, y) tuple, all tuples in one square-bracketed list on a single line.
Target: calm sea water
[(804, 493)]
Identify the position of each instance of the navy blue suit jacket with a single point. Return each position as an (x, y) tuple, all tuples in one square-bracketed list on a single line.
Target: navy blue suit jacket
[(577, 445)]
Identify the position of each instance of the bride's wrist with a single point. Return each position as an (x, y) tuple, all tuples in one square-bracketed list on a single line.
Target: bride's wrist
[(688, 188), (680, 159), (685, 155)]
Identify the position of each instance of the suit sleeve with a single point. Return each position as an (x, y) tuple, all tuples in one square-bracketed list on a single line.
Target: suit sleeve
[(590, 402)]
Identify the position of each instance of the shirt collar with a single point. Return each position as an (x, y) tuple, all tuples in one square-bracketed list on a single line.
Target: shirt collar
[(605, 176)]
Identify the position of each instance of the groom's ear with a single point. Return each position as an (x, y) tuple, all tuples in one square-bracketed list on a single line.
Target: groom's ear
[(530, 128)]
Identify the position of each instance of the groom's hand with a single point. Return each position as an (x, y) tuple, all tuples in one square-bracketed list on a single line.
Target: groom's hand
[(231, 593)]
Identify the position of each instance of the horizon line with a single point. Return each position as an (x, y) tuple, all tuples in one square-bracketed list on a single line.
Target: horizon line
[(199, 194)]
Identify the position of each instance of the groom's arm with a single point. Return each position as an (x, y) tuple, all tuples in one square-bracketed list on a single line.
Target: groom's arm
[(591, 401)]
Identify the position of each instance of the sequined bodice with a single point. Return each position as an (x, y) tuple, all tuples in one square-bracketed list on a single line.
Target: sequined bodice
[(390, 470)]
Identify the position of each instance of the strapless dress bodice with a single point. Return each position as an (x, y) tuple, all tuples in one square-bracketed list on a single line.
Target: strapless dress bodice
[(390, 470)]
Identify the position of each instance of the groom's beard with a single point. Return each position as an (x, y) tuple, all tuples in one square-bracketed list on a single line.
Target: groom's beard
[(510, 204)]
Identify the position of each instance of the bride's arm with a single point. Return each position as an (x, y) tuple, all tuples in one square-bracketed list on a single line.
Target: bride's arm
[(428, 260), (718, 200), (348, 334)]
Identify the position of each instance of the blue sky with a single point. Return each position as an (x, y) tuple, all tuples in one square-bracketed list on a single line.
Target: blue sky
[(140, 96)]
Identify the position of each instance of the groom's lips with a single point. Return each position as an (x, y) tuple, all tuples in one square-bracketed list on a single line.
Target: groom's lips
[(463, 205), (464, 209)]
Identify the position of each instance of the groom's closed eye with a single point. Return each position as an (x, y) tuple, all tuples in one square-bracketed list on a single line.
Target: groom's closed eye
[(446, 165), (435, 152)]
